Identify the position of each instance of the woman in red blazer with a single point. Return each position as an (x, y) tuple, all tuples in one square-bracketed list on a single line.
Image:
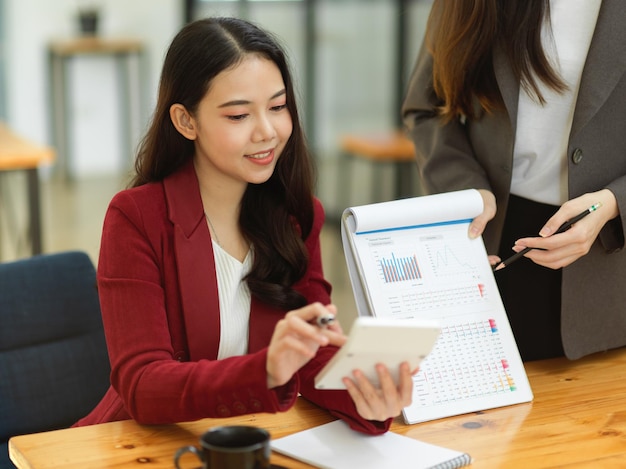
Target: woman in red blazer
[(210, 270)]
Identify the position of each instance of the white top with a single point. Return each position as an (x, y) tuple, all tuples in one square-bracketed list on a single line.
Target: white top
[(234, 297), (540, 152)]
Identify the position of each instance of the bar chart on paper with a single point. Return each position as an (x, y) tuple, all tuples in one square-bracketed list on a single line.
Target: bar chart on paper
[(399, 269)]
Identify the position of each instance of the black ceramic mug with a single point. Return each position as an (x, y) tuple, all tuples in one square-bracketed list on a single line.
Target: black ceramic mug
[(231, 447)]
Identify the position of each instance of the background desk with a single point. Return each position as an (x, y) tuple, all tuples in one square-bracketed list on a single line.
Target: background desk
[(577, 420), (123, 51), (18, 154)]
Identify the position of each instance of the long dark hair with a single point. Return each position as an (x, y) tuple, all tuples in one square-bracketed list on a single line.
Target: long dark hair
[(276, 216), (462, 36)]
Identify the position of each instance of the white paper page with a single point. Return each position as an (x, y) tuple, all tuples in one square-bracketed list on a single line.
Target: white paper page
[(459, 205), (433, 270), (361, 295), (335, 446)]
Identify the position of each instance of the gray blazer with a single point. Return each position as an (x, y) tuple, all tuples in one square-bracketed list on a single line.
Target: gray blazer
[(479, 154)]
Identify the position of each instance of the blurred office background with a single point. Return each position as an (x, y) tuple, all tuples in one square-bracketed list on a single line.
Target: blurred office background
[(351, 59)]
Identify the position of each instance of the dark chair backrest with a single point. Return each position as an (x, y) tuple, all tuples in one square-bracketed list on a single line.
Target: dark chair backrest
[(54, 366)]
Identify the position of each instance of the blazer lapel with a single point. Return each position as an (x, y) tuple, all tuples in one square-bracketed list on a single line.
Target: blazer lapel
[(605, 64), (195, 263), (508, 85)]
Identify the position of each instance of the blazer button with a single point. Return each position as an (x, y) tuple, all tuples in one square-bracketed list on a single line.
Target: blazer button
[(577, 156), (223, 411), (239, 407)]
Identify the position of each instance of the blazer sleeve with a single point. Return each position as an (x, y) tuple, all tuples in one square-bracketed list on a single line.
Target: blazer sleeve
[(444, 153), (135, 267)]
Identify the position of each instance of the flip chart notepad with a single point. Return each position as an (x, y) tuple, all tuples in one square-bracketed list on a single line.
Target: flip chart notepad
[(412, 258), (335, 446)]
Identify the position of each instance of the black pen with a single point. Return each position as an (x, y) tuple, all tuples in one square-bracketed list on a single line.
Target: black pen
[(564, 227), (324, 321)]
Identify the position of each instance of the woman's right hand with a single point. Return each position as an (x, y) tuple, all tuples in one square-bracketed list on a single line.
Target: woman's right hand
[(296, 340)]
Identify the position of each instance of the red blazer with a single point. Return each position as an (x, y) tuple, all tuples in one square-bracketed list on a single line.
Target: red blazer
[(160, 308)]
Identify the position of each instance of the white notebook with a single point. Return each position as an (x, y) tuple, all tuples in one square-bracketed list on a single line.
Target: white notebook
[(336, 446)]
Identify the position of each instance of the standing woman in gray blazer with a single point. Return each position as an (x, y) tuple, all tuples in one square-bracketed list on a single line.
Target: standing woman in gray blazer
[(525, 100)]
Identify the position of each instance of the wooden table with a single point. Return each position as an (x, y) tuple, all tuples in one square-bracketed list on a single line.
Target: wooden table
[(131, 83), (577, 420), (19, 154)]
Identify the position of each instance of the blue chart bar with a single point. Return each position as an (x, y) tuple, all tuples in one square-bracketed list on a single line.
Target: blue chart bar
[(397, 270)]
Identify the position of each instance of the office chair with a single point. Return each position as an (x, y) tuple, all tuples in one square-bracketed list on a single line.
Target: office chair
[(54, 366)]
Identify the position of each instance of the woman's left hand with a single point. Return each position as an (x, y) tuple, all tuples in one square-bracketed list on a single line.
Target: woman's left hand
[(478, 224), (559, 250), (386, 401)]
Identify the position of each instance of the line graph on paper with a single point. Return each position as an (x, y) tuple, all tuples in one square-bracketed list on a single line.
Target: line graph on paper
[(449, 257)]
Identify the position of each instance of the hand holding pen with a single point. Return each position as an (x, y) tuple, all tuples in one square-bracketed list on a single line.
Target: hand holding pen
[(324, 321), (564, 227), (297, 337)]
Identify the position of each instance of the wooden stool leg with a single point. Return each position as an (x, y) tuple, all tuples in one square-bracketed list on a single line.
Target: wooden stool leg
[(344, 179), (376, 189), (404, 180)]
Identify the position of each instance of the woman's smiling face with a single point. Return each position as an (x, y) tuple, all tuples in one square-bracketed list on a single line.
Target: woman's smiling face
[(242, 123)]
